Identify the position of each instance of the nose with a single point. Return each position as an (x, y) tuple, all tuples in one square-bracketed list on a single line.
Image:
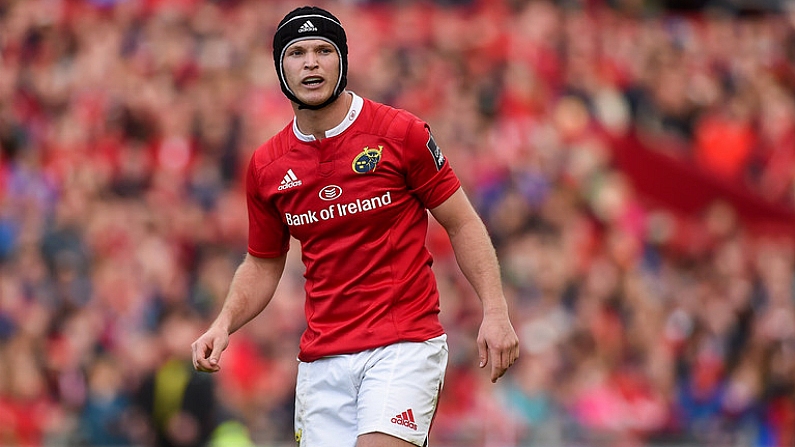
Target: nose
[(310, 61)]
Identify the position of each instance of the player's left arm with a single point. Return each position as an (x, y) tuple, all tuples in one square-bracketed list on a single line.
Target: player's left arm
[(474, 252)]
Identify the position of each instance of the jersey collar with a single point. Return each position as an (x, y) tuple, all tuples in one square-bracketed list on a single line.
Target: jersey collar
[(353, 113)]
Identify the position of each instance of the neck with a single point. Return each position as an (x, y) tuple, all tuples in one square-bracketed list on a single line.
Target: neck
[(317, 122)]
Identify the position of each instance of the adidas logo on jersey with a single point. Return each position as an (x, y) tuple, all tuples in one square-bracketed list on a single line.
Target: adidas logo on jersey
[(307, 27), (290, 180), (405, 419)]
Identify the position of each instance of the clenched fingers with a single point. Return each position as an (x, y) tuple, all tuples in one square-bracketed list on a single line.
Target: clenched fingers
[(206, 352)]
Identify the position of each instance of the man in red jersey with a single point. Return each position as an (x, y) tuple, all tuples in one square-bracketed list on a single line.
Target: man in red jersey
[(353, 180)]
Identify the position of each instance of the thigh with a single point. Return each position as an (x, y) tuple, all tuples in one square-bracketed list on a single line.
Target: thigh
[(381, 440), (400, 391), (325, 404)]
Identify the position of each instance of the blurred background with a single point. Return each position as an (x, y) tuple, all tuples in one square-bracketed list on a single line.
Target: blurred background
[(634, 161)]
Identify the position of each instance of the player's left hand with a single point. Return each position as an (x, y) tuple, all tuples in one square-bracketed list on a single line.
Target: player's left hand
[(497, 343)]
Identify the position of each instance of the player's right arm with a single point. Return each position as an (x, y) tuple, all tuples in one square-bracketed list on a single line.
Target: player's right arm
[(250, 291)]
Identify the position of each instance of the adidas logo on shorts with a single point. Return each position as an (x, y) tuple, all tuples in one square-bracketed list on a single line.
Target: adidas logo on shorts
[(405, 419)]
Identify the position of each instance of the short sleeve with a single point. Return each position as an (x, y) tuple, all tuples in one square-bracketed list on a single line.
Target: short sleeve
[(268, 236), (428, 172)]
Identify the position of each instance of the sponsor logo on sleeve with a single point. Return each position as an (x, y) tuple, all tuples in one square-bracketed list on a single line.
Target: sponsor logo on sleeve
[(436, 152)]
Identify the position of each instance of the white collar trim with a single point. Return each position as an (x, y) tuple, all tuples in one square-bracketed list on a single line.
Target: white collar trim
[(353, 113)]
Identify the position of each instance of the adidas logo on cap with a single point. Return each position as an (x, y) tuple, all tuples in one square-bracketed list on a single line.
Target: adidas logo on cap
[(307, 27), (290, 180)]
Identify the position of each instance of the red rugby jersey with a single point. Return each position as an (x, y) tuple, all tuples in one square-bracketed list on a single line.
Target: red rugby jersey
[(356, 200)]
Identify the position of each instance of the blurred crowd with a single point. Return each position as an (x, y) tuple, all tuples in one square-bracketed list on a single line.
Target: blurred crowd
[(125, 126)]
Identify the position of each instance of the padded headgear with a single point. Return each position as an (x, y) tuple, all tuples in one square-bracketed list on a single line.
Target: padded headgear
[(310, 22)]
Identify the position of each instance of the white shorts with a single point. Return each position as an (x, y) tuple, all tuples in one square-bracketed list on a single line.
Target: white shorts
[(393, 389)]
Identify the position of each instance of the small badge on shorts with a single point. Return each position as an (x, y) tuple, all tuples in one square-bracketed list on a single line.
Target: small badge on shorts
[(405, 419), (298, 434)]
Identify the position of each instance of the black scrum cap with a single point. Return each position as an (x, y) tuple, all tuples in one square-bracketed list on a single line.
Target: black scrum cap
[(310, 22)]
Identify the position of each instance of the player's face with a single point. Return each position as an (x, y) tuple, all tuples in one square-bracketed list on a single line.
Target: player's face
[(311, 68)]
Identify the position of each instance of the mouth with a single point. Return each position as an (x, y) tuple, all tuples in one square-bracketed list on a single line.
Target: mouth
[(312, 81)]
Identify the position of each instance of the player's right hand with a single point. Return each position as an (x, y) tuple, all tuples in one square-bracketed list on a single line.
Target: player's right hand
[(207, 349)]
